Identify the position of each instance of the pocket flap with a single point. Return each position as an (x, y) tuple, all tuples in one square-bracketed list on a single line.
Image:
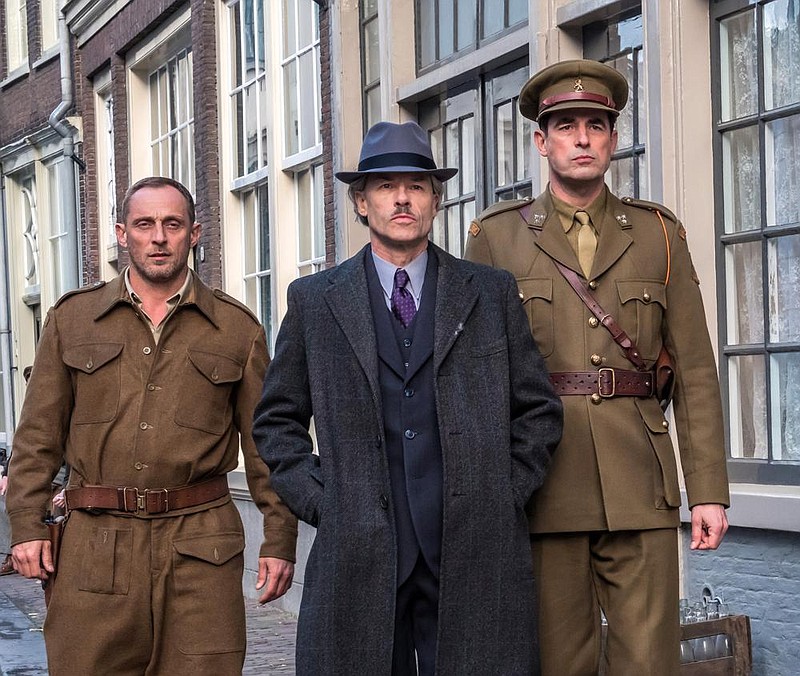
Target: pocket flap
[(217, 368), (214, 549), (652, 415), (535, 288), (643, 290), (89, 358)]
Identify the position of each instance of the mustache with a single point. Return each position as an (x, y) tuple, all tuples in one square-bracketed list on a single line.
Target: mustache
[(402, 209)]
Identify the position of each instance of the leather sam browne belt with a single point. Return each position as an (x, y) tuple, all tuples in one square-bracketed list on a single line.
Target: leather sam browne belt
[(605, 382), (146, 501)]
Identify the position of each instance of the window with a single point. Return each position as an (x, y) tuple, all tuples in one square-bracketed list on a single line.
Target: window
[(249, 78), (16, 34), (756, 84), (370, 63), (448, 27), (301, 80), (619, 44), (49, 14), (257, 257), (310, 220), (29, 227), (106, 170), (172, 119)]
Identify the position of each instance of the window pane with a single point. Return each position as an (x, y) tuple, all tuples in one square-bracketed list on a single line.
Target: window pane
[(446, 24), (453, 156), (303, 182), (783, 256), (290, 94), (319, 213), (437, 232), (620, 176), (289, 27), (436, 147), (374, 106), (470, 147), (265, 303), (308, 109), (372, 57), (426, 25), (238, 125), (785, 380), (250, 232), (781, 53), (741, 180), (517, 11), (262, 100), (624, 64), (370, 7), (155, 126), (264, 259), (524, 146), (644, 185), (783, 171), (236, 45), (251, 127), (454, 229), (467, 23), (744, 293), (739, 65), (748, 407), (505, 144), (306, 19), (492, 17)]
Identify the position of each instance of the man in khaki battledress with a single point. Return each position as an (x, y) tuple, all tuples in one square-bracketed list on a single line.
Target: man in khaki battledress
[(144, 386), (604, 523)]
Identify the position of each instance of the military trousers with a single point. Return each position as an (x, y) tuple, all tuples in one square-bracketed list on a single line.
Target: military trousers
[(150, 596), (632, 576)]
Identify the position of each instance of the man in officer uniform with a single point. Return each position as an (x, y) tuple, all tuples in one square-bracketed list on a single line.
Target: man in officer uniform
[(603, 525)]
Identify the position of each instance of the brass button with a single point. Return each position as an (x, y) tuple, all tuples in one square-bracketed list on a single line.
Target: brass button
[(138, 466), (521, 296), (594, 322), (593, 284), (596, 360), (596, 398), (89, 364), (665, 424), (142, 425), (151, 387), (646, 297), (146, 350)]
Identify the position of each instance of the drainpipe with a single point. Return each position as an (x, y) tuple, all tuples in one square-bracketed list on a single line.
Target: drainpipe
[(67, 243), (5, 324)]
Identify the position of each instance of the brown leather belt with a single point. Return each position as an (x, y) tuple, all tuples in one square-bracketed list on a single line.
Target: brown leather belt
[(605, 382), (149, 500)]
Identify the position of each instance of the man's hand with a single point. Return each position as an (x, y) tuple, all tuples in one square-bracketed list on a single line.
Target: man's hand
[(3, 484), (276, 574), (709, 525), (33, 559)]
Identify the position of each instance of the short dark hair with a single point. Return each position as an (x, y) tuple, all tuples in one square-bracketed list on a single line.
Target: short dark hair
[(360, 184), (158, 182)]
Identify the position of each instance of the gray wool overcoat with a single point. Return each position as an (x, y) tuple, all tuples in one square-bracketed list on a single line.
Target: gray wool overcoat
[(499, 422)]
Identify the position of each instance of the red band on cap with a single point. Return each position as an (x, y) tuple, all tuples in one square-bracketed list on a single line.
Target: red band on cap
[(576, 96)]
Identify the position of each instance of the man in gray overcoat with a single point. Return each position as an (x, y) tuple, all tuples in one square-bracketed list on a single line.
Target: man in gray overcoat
[(435, 421)]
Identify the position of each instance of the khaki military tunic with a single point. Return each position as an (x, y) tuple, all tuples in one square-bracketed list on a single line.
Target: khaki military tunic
[(146, 594), (615, 467)]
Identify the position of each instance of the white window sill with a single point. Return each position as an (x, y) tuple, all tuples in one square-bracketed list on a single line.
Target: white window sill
[(760, 506)]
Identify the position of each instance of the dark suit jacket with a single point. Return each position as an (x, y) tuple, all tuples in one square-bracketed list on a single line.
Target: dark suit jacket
[(498, 423)]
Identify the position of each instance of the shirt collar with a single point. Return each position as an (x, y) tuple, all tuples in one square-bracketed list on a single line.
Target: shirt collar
[(415, 269), (566, 212), (172, 301)]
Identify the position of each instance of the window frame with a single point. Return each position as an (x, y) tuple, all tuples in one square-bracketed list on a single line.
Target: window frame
[(17, 57)]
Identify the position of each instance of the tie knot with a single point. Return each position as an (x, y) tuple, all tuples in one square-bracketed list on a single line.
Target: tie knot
[(400, 279), (582, 217)]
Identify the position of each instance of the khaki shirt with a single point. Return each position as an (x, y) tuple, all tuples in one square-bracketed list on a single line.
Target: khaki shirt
[(615, 467), (122, 410)]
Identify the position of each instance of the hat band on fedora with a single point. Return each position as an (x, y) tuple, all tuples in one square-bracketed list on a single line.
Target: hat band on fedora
[(576, 96), (389, 160)]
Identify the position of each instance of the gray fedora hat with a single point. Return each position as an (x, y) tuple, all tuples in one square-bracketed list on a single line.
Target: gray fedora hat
[(396, 148)]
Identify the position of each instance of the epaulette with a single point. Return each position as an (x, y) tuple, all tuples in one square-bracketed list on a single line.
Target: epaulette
[(650, 206), (236, 303), (89, 287), (502, 207)]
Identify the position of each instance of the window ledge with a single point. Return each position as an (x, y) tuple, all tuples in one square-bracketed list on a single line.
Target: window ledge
[(302, 160), (16, 74), (47, 55), (759, 506)]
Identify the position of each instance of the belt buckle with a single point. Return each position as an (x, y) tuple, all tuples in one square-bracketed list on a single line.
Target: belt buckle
[(157, 500), (600, 381)]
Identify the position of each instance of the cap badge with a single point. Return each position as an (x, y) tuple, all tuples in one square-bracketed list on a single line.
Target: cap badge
[(578, 86)]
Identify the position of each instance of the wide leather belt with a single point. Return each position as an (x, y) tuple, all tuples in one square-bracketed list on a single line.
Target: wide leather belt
[(146, 501), (605, 382)]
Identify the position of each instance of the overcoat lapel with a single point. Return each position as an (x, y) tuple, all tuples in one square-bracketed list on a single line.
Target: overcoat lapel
[(455, 298), (550, 236), (348, 299), (613, 240)]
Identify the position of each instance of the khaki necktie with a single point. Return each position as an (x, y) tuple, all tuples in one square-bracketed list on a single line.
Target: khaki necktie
[(587, 242)]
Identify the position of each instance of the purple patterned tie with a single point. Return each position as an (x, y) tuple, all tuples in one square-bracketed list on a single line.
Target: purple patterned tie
[(403, 305)]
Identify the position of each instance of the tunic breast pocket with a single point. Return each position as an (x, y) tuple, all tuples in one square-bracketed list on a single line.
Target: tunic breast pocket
[(208, 383), (537, 299), (96, 374), (642, 303)]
